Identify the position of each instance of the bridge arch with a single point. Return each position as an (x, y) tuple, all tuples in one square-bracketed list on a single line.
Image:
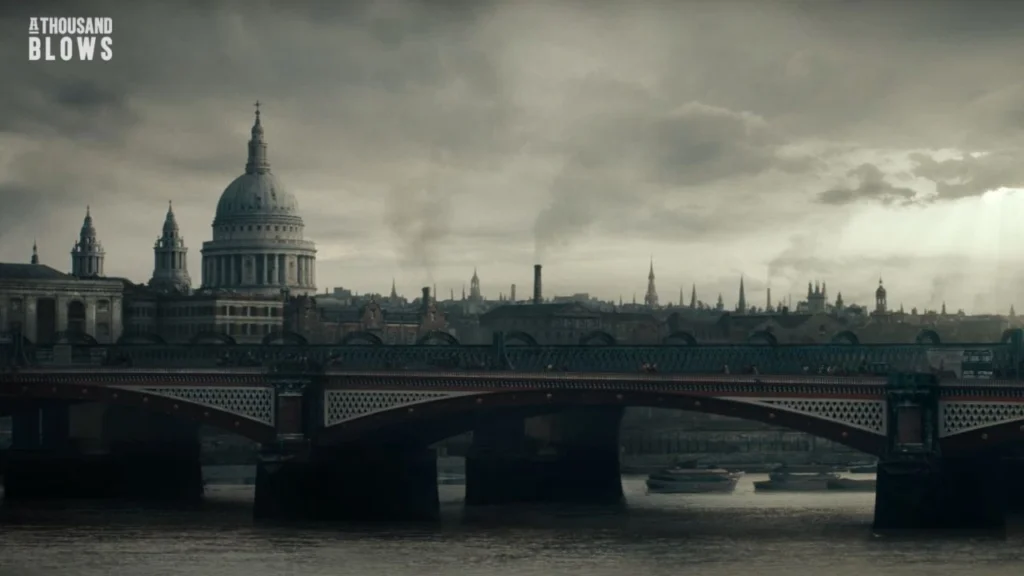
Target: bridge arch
[(928, 336), (432, 420), (846, 337), (257, 426), (679, 338), (211, 337), (75, 338), (437, 338), (763, 338), (597, 338), (520, 338), (143, 338), (286, 337), (361, 337)]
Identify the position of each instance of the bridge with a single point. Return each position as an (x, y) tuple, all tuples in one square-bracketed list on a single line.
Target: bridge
[(941, 418)]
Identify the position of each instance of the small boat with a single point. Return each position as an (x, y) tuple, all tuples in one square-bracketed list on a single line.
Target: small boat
[(797, 479), (852, 484), (686, 480), (864, 469)]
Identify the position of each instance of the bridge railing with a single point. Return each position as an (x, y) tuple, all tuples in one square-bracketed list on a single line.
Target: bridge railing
[(784, 359)]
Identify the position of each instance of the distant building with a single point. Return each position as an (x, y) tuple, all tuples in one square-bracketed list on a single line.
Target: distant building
[(257, 260), (45, 305)]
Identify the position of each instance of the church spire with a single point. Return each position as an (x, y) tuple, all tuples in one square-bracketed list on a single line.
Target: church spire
[(257, 162), (394, 290), (693, 297), (474, 288), (35, 253), (651, 297), (170, 223), (741, 307)]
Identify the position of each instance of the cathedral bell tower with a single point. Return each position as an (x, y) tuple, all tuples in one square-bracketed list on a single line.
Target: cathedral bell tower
[(881, 306), (170, 259), (87, 254)]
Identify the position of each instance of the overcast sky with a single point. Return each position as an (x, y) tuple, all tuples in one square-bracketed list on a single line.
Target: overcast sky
[(784, 141)]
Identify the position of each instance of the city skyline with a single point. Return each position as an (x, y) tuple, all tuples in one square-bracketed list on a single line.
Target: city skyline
[(421, 143)]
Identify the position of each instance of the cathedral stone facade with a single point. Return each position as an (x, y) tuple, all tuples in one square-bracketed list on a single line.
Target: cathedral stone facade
[(258, 245), (258, 257)]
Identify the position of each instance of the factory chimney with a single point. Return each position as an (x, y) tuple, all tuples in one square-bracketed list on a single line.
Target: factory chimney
[(537, 291), (512, 294), (425, 301)]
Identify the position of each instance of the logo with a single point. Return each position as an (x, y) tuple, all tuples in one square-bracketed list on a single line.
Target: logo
[(70, 39)]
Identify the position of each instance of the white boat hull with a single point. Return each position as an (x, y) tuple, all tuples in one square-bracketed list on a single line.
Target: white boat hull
[(655, 486)]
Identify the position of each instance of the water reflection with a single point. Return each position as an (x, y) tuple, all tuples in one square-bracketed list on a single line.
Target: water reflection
[(762, 534)]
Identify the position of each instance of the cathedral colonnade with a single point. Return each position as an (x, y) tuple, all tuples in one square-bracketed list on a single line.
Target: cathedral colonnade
[(261, 269)]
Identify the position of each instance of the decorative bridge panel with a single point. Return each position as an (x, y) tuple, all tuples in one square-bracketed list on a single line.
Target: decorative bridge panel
[(344, 405), (960, 417), (868, 415), (254, 403)]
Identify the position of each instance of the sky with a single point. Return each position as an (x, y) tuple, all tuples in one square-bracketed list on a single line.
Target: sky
[(786, 142)]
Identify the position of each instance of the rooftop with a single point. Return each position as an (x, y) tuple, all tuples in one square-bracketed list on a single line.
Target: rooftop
[(11, 271)]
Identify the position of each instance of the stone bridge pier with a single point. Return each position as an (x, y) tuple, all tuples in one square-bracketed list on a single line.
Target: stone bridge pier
[(365, 482), (94, 450), (571, 456), (919, 486), (375, 479)]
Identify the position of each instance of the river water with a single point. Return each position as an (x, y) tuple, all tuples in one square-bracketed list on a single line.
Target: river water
[(654, 535)]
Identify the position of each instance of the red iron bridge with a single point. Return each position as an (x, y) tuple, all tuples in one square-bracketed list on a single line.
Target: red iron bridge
[(836, 392), (934, 414)]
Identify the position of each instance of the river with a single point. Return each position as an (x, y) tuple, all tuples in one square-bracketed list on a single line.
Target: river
[(710, 535)]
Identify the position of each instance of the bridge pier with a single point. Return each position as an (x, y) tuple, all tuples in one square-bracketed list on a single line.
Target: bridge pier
[(1013, 472), (567, 457), (26, 428), (141, 457), (921, 488), (352, 483), (948, 494)]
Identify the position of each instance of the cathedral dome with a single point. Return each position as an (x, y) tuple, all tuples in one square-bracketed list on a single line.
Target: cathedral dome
[(256, 195), (258, 245)]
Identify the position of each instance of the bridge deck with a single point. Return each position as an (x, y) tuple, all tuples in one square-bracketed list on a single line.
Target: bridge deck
[(251, 374), (783, 359)]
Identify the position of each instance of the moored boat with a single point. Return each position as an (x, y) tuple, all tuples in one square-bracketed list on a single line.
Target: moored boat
[(680, 480), (813, 483), (797, 479), (852, 484), (864, 469)]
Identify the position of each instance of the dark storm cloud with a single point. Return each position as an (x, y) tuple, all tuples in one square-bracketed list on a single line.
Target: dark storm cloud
[(871, 185), (972, 175)]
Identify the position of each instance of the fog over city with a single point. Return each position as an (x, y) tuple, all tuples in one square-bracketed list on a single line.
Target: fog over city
[(785, 141)]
